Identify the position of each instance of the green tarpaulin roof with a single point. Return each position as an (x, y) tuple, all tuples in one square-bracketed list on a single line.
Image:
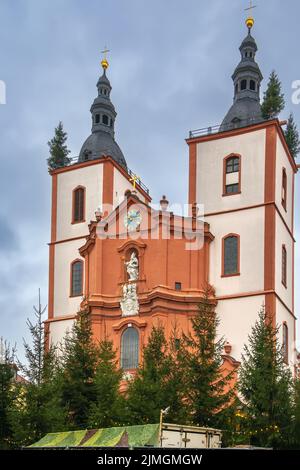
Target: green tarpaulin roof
[(132, 436)]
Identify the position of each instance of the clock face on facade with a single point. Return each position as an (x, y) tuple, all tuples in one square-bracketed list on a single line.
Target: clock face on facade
[(132, 220)]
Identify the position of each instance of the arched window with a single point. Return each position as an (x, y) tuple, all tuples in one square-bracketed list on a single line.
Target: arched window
[(252, 85), (231, 255), (105, 119), (130, 349), (76, 278), (232, 175), (284, 188), (78, 205), (285, 342), (284, 266), (97, 118), (243, 84)]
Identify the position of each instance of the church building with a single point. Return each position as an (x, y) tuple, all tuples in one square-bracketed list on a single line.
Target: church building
[(133, 266)]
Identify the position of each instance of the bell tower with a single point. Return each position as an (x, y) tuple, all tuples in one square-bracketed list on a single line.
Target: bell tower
[(246, 78), (102, 139), (243, 173), (94, 183)]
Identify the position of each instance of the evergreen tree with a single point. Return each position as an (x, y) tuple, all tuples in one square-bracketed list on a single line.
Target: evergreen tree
[(265, 385), (58, 149), (106, 410), (7, 393), (296, 425), (154, 387), (78, 376), (292, 136), (207, 397), (273, 102), (42, 411)]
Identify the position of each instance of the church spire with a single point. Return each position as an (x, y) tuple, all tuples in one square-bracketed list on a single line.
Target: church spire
[(102, 140), (246, 78)]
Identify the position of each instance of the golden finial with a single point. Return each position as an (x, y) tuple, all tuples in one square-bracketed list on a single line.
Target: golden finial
[(104, 61), (250, 19)]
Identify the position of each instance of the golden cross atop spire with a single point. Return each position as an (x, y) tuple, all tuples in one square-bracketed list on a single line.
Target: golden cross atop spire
[(250, 19), (104, 61), (251, 7)]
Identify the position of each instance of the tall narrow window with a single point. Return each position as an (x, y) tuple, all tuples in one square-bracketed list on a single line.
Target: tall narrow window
[(284, 266), (76, 278), (284, 188), (232, 175), (285, 342), (231, 255), (105, 119), (243, 84), (78, 204), (130, 349)]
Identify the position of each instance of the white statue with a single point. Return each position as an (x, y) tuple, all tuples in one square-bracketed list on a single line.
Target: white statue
[(129, 303), (132, 267)]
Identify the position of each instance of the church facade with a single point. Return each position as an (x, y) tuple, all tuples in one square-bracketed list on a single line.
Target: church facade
[(133, 266)]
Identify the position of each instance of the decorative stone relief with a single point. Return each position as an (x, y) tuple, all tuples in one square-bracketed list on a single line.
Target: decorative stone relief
[(129, 302)]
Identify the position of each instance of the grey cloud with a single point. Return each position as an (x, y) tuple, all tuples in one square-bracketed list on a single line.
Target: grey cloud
[(171, 63)]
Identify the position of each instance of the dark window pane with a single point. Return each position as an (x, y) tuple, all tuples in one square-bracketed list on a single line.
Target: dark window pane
[(77, 278), (232, 165), (284, 266), (284, 188), (97, 118), (130, 349), (105, 119), (79, 205), (232, 188), (285, 342), (243, 84), (231, 255), (252, 85), (177, 285)]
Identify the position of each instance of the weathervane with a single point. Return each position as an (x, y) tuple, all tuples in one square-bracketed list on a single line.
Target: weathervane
[(104, 61), (250, 19)]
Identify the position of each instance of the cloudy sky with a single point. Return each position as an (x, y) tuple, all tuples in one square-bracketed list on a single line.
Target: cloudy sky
[(170, 68)]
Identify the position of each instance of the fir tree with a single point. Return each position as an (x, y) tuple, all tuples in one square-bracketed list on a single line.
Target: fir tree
[(106, 410), (58, 149), (42, 411), (292, 136), (206, 395), (7, 393), (273, 102), (78, 375), (154, 387), (296, 422), (265, 385)]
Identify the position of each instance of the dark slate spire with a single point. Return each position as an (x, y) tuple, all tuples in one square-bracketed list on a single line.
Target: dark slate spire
[(246, 78), (102, 139)]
